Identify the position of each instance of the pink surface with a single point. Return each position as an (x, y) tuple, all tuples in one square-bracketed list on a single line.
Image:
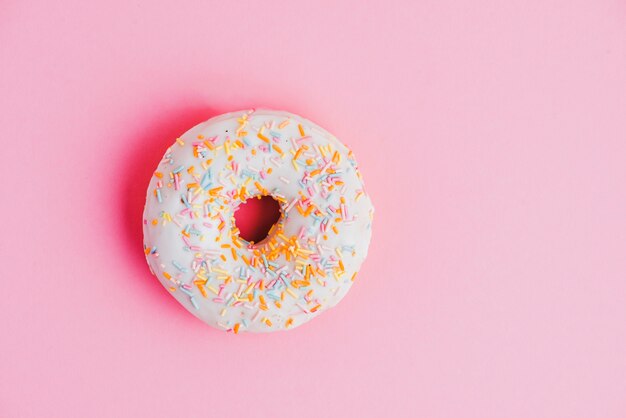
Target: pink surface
[(492, 138)]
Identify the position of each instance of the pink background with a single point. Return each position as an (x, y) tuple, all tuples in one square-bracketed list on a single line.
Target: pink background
[(492, 138)]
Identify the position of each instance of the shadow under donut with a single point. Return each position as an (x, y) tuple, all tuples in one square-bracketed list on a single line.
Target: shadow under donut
[(143, 152)]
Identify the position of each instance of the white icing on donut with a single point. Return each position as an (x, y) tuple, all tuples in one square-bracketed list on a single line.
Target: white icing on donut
[(311, 256)]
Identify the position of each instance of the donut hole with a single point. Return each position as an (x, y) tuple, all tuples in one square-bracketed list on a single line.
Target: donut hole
[(255, 217)]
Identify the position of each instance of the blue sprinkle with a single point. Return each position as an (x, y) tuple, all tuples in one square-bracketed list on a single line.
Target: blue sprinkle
[(205, 182), (182, 196), (194, 303), (178, 266), (179, 169)]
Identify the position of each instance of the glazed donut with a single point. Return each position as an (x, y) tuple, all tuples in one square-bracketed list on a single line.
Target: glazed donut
[(310, 258)]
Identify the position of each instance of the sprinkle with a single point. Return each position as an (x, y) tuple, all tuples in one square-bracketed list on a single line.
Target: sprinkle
[(179, 267)]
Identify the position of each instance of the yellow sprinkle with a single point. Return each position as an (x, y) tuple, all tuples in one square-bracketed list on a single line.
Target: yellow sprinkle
[(283, 124), (180, 142)]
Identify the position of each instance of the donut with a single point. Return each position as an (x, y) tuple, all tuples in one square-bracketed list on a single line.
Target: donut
[(311, 256)]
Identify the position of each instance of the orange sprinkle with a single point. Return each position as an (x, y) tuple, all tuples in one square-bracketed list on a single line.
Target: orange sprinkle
[(289, 322), (300, 151), (200, 286), (301, 129), (236, 328), (263, 137), (315, 308), (158, 174)]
